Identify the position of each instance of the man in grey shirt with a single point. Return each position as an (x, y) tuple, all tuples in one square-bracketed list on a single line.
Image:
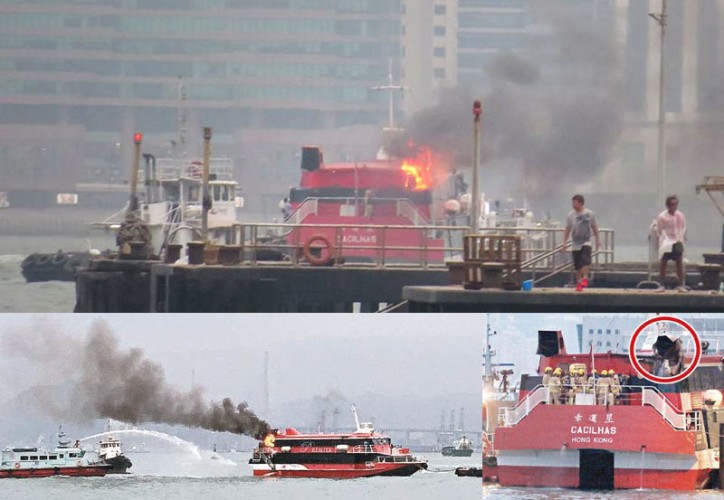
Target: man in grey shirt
[(581, 227)]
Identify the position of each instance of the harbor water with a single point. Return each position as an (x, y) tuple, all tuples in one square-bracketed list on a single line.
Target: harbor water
[(185, 476)]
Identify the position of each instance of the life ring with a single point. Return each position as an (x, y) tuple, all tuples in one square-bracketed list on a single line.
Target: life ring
[(78, 463), (59, 259), (320, 260), (17, 465)]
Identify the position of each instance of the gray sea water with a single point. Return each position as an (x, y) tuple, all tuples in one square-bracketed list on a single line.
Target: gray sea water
[(183, 476)]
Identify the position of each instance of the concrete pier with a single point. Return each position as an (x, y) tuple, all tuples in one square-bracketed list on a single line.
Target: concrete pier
[(457, 299), (109, 285)]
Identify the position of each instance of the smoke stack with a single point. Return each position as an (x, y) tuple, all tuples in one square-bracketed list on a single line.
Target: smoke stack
[(311, 158), (550, 343)]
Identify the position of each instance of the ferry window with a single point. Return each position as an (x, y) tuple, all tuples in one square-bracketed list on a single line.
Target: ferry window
[(33, 457), (23, 457), (53, 457), (217, 193), (60, 456), (43, 457), (71, 455)]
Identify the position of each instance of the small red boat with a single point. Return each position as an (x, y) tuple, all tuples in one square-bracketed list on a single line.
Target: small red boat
[(64, 460), (362, 453), (616, 431)]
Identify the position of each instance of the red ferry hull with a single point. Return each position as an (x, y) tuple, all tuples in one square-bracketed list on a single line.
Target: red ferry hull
[(545, 448), (332, 472), (86, 471)]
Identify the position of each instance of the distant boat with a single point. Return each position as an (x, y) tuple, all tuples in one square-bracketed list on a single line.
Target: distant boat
[(463, 447)]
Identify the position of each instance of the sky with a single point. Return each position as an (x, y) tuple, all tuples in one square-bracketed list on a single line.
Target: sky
[(308, 354)]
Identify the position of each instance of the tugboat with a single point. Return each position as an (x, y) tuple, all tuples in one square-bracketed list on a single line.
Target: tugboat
[(462, 447), (362, 453), (617, 431), (64, 460), (111, 452), (171, 209)]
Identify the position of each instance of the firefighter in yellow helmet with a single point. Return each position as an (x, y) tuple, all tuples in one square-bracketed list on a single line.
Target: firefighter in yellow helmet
[(603, 388), (591, 386), (554, 387), (547, 375)]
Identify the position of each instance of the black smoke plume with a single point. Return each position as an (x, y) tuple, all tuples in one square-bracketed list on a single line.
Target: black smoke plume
[(555, 107), (110, 382)]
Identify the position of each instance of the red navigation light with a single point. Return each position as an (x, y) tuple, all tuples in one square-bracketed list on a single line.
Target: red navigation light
[(477, 108), (137, 137)]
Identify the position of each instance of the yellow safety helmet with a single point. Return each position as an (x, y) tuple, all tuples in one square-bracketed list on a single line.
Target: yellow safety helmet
[(604, 372), (548, 369), (558, 371), (581, 371)]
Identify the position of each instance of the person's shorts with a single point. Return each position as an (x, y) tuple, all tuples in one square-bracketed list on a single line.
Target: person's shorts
[(676, 253), (582, 257)]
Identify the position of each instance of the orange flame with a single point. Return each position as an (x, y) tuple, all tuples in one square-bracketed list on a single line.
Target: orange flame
[(424, 169)]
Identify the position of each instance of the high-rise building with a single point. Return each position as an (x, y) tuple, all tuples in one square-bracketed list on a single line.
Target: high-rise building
[(78, 77)]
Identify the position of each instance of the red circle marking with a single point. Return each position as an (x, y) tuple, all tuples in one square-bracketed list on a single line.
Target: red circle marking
[(665, 380)]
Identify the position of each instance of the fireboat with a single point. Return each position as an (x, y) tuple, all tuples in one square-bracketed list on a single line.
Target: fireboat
[(64, 460), (361, 453), (613, 431)]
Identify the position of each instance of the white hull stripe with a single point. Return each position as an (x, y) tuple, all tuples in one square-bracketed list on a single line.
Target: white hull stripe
[(621, 460)]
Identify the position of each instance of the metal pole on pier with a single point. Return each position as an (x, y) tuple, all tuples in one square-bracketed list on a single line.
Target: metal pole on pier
[(661, 154), (475, 201), (133, 202), (206, 199)]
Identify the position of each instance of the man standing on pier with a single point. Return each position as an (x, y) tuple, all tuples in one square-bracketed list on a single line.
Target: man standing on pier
[(581, 226), (671, 228)]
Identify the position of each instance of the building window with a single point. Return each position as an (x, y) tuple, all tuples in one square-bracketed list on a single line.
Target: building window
[(599, 343), (439, 72), (439, 30), (608, 332), (608, 344), (618, 332), (440, 10), (590, 331), (438, 52), (600, 332)]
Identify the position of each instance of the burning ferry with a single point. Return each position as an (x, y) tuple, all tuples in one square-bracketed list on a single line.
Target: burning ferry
[(366, 208), (573, 428), (362, 453)]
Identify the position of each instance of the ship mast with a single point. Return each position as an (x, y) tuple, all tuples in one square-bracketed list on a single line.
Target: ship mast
[(661, 154), (391, 88)]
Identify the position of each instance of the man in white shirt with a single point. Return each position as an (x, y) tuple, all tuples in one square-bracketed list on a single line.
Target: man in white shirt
[(671, 229)]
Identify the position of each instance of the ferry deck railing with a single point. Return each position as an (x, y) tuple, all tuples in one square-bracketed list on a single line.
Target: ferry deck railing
[(427, 247), (601, 395)]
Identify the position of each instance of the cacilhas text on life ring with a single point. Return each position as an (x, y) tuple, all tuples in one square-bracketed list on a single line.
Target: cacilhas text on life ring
[(324, 257)]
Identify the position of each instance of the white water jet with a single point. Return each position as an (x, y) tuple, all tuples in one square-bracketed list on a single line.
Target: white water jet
[(175, 440)]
